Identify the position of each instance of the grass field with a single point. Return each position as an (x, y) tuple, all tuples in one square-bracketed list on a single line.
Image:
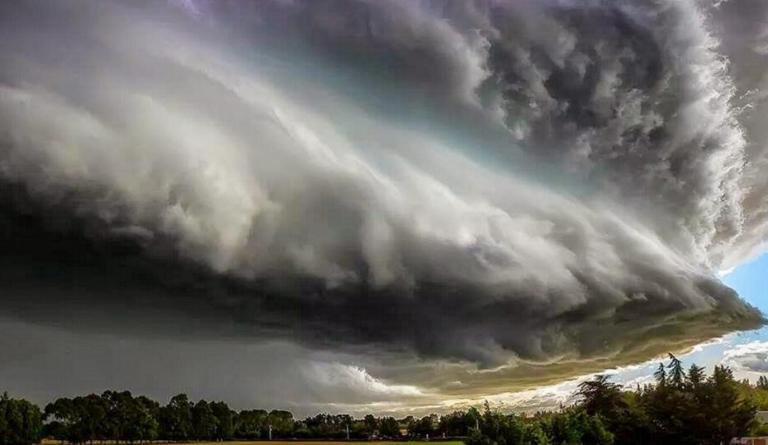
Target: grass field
[(296, 442)]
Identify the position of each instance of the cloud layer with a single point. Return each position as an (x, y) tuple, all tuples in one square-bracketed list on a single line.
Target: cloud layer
[(549, 187)]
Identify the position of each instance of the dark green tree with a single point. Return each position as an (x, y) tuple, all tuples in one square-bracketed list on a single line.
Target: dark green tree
[(224, 424), (70, 418), (599, 396), (176, 419), (576, 427), (660, 375), (204, 423), (371, 424), (141, 424), (390, 428), (456, 424), (728, 415), (696, 376), (676, 372), (424, 427), (282, 423), (20, 421), (121, 415), (249, 424)]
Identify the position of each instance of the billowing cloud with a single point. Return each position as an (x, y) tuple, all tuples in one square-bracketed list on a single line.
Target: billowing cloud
[(340, 377), (544, 189), (748, 357)]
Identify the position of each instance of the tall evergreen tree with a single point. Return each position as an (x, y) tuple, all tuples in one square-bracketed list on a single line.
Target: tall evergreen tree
[(600, 396), (660, 375), (676, 373), (696, 375)]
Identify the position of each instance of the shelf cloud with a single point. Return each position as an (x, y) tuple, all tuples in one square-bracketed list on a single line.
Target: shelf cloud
[(520, 191)]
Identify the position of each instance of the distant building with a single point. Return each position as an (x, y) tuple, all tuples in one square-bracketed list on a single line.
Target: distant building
[(750, 441), (761, 416)]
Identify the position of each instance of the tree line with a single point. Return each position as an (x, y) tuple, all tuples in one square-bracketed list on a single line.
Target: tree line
[(123, 418), (681, 407)]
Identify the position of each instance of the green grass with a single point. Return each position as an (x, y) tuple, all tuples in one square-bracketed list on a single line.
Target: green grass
[(330, 442), (292, 442)]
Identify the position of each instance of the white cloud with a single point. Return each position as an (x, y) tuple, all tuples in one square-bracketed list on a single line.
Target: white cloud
[(748, 358), (341, 377)]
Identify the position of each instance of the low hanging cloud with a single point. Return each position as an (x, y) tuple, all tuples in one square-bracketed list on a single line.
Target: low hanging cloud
[(748, 357), (550, 187), (338, 377)]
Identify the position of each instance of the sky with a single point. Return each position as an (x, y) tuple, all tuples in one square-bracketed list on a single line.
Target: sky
[(751, 282), (386, 206), (746, 353)]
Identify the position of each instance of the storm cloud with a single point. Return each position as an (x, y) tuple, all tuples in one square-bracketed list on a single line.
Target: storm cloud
[(541, 188)]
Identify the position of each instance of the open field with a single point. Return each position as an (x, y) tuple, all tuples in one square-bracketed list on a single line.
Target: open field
[(288, 442), (330, 442)]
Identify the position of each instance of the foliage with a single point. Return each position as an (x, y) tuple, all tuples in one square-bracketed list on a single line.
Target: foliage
[(225, 428), (20, 421), (684, 407), (248, 424), (576, 427), (176, 419), (459, 423), (282, 423), (425, 427), (759, 430), (203, 421), (390, 428)]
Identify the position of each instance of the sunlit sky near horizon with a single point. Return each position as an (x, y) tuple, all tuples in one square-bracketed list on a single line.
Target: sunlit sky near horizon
[(746, 352), (750, 280)]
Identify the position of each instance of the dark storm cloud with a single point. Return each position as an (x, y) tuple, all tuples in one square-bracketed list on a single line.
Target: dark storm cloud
[(164, 174), (269, 375), (631, 97), (744, 27), (755, 363)]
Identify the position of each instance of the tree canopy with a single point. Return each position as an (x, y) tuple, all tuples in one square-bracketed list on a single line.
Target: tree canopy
[(681, 407), (20, 421)]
